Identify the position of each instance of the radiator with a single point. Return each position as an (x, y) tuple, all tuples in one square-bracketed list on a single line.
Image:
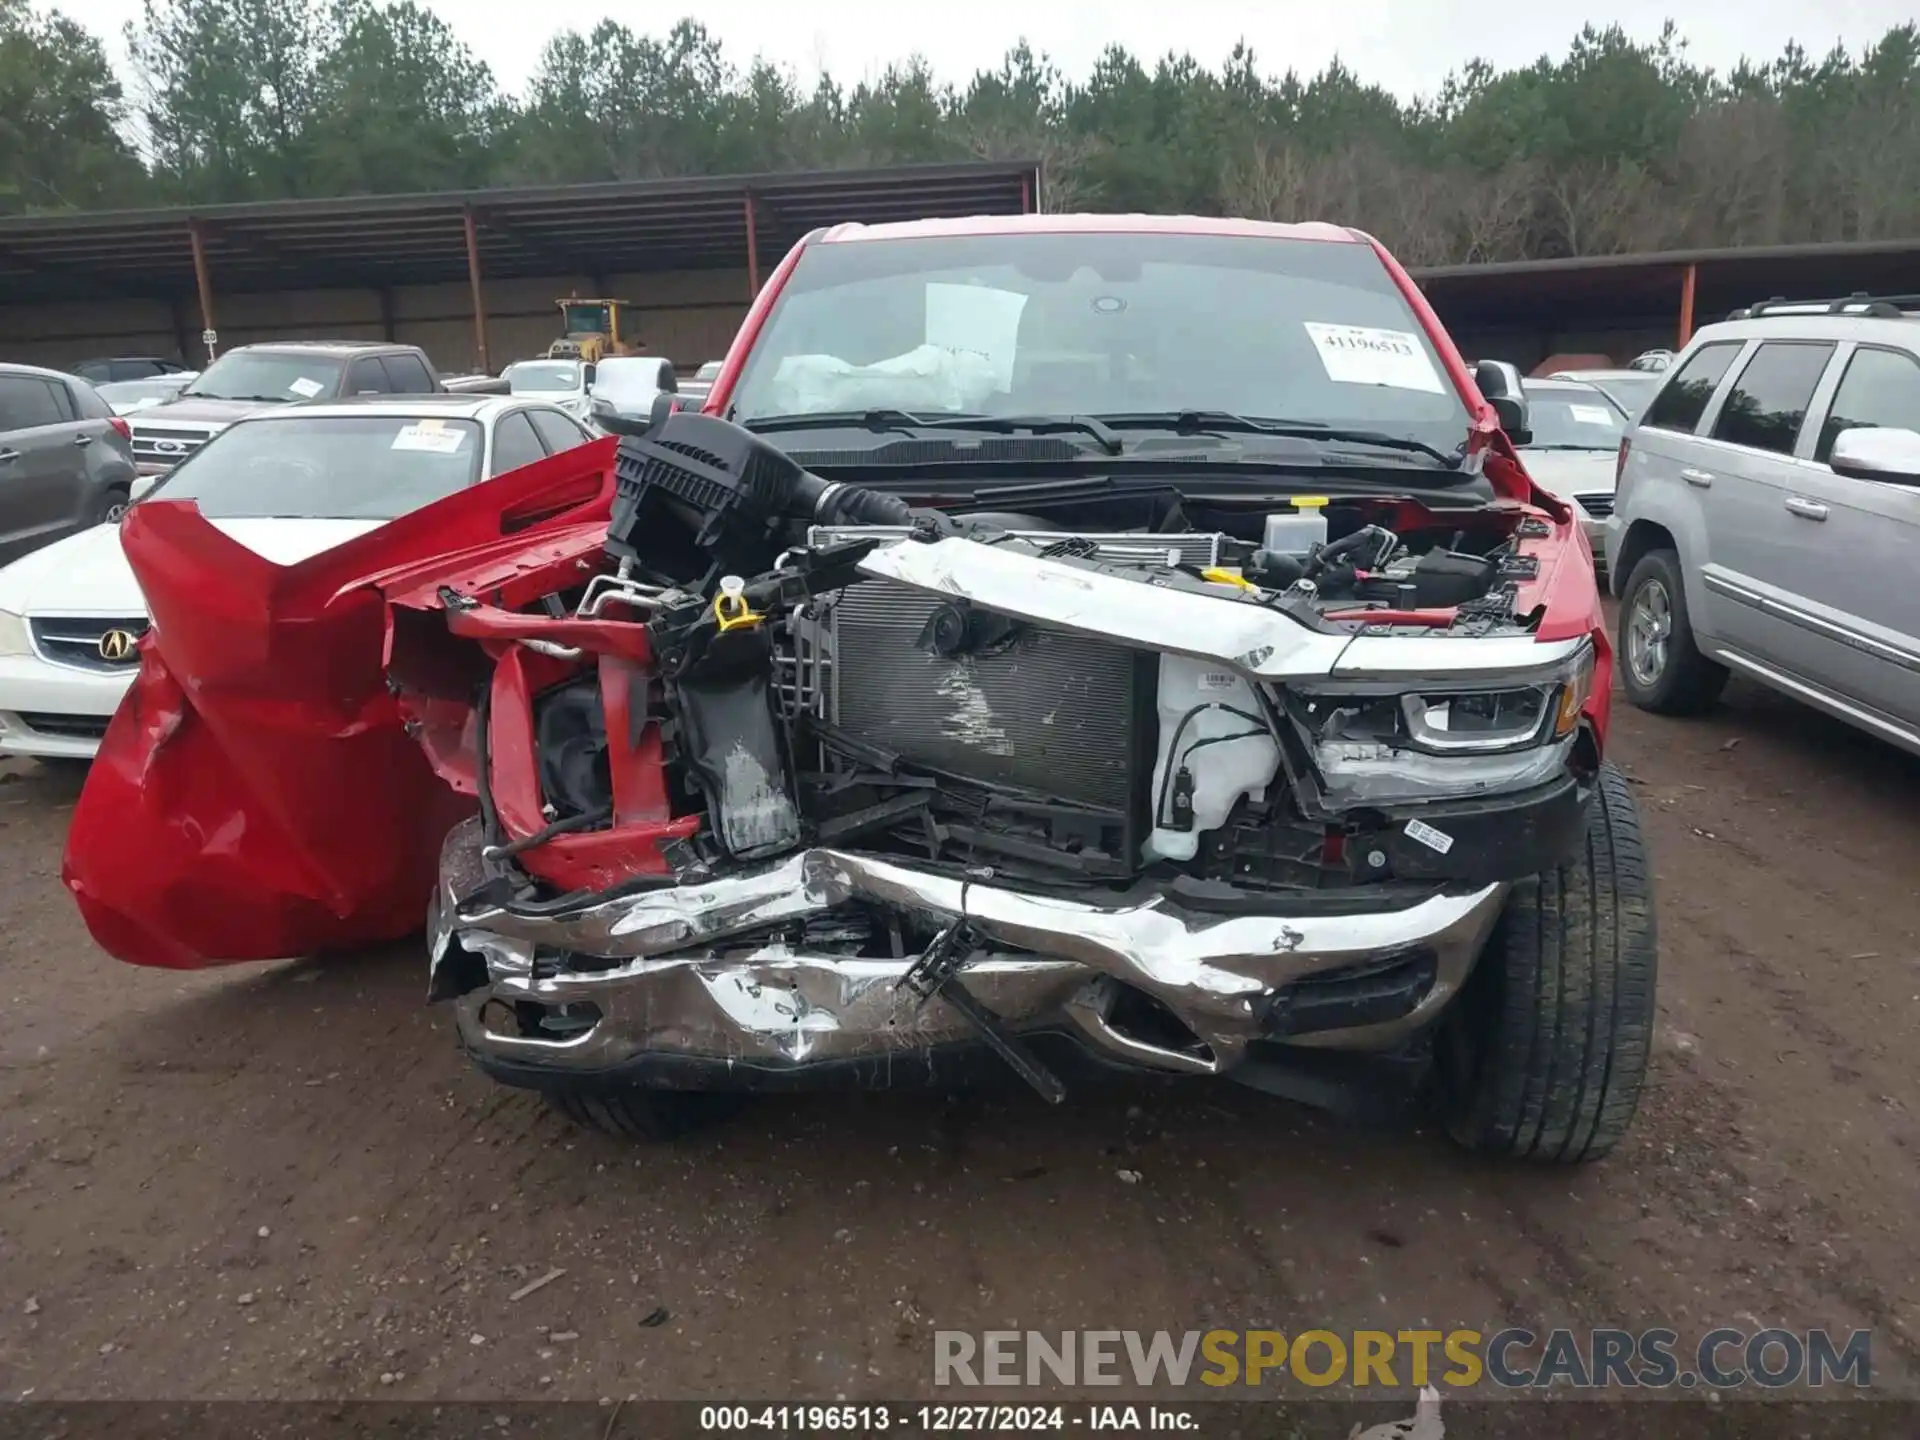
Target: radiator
[(1061, 714)]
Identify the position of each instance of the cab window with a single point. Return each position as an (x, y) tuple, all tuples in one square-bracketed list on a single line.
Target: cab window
[(1768, 403), (1881, 387)]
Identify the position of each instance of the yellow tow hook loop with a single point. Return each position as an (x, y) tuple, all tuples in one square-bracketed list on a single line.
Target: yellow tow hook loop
[(1221, 576), (730, 605)]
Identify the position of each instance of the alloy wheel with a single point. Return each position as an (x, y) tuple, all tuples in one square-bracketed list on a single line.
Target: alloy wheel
[(1649, 629)]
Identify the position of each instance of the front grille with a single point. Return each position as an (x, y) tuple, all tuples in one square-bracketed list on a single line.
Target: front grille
[(166, 445), (1599, 505), (66, 727), (89, 642)]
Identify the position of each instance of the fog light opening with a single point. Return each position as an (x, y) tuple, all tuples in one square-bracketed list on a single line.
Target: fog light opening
[(1374, 992), (535, 1021), (1137, 1016)]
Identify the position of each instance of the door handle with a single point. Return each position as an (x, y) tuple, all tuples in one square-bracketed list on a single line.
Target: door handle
[(83, 439), (1699, 479), (7, 457), (1806, 509)]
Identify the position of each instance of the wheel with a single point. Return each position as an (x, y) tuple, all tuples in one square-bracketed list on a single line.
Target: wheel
[(640, 1114), (110, 507), (1661, 667), (1544, 1053)]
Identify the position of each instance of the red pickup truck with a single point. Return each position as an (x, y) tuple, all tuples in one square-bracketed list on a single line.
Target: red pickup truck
[(1062, 645)]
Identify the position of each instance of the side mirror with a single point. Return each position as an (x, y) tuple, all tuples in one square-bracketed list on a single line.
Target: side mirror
[(617, 419), (1496, 377), (1874, 452), (1511, 410), (1499, 382), (624, 419), (587, 372)]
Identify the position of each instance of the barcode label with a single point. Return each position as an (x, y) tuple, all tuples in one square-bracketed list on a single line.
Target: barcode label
[(1436, 840)]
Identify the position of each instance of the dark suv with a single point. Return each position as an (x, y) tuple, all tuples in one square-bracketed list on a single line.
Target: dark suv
[(66, 460), (251, 376)]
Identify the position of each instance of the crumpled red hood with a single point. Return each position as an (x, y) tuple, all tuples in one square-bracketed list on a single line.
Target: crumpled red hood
[(258, 794)]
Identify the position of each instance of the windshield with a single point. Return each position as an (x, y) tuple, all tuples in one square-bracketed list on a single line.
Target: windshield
[(1101, 325), (587, 319), (1571, 418), (335, 467), (252, 375), (1632, 393), (543, 377)]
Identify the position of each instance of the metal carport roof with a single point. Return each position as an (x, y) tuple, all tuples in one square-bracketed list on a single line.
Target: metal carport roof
[(386, 240), (1688, 287)]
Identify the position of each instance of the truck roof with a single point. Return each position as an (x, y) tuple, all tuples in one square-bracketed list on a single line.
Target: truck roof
[(1094, 224)]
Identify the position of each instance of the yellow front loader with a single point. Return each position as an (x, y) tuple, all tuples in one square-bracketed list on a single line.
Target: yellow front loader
[(591, 330)]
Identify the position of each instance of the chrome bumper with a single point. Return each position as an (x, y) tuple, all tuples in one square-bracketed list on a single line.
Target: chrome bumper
[(677, 978)]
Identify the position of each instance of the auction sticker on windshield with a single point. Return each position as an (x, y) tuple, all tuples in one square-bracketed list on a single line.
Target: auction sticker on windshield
[(429, 436), (306, 389), (1590, 415), (1361, 355)]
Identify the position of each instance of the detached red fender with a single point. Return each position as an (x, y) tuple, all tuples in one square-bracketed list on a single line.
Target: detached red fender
[(258, 794)]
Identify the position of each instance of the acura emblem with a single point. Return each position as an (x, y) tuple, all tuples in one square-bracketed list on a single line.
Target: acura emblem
[(168, 447), (117, 645)]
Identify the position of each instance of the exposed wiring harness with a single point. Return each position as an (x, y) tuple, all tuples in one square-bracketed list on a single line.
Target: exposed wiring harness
[(1177, 758)]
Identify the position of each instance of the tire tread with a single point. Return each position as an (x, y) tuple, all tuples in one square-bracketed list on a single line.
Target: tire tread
[(1565, 1001)]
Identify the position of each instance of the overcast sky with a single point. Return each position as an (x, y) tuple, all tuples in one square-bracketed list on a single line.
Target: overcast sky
[(1405, 45)]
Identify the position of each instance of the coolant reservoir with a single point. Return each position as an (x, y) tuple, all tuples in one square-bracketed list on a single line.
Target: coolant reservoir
[(1297, 531), (1210, 726)]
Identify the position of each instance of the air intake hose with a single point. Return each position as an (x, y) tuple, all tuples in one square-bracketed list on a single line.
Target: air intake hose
[(828, 503)]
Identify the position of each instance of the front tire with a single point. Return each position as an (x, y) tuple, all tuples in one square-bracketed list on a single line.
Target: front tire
[(636, 1114), (1546, 1048), (1661, 667), (109, 508)]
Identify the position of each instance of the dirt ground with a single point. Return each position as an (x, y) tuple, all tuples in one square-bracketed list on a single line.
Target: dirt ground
[(281, 1181)]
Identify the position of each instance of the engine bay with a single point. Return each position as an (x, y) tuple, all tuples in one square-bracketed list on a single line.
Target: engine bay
[(1087, 692)]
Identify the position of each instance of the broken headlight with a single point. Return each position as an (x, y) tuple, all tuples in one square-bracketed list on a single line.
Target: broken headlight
[(1443, 740)]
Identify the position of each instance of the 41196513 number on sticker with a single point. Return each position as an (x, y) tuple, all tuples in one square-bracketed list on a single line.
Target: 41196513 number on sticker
[(933, 1419)]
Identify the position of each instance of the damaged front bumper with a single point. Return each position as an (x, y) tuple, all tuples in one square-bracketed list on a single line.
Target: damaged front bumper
[(678, 986)]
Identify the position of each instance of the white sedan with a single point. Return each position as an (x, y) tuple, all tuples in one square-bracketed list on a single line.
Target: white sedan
[(286, 483), (1575, 449), (566, 383)]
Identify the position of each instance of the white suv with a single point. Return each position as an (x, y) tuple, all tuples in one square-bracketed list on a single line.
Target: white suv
[(1767, 516)]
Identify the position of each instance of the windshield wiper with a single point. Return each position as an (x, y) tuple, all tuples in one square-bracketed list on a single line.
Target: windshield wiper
[(1589, 449), (903, 420), (247, 399), (1035, 425), (1195, 422)]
